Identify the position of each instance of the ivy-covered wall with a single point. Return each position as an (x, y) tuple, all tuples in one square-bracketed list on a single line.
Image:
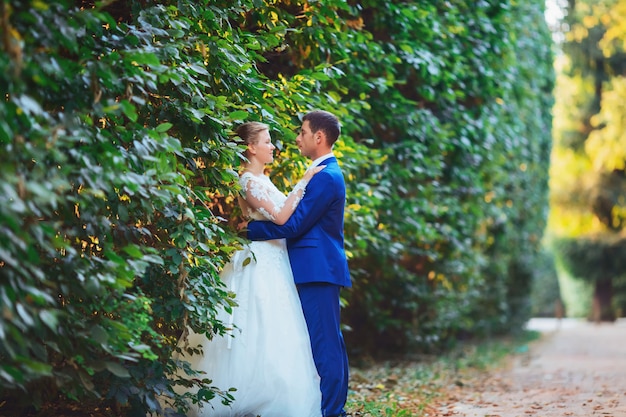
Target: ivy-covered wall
[(118, 172)]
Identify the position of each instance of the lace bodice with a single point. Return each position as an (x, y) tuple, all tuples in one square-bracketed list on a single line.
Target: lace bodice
[(263, 201)]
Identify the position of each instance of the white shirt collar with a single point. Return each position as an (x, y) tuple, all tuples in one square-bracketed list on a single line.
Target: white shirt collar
[(320, 159)]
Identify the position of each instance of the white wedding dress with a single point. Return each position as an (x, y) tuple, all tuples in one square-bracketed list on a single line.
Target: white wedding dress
[(269, 359)]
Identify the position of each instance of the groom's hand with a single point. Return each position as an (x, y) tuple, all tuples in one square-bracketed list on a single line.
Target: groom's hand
[(242, 229)]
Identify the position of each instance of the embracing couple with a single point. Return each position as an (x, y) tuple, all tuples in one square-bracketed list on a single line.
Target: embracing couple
[(287, 357)]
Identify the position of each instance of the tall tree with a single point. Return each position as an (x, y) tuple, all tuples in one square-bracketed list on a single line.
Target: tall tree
[(589, 189)]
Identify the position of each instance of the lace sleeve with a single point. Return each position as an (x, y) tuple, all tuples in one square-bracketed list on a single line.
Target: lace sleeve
[(258, 196)]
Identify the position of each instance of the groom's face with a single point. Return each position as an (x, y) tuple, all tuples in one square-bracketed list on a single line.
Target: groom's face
[(307, 141)]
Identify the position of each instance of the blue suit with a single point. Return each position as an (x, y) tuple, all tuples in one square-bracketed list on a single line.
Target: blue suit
[(314, 235)]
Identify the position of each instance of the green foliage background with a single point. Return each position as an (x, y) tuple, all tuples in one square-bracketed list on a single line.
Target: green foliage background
[(118, 181), (588, 189)]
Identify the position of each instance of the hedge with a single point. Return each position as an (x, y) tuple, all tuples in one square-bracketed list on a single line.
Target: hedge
[(118, 174)]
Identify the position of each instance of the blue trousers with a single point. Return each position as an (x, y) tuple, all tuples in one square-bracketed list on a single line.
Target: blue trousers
[(320, 304)]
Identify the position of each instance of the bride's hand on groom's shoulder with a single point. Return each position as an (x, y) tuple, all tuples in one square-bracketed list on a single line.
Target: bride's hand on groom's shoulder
[(310, 172)]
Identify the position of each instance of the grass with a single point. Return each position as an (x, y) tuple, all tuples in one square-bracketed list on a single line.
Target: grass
[(415, 386)]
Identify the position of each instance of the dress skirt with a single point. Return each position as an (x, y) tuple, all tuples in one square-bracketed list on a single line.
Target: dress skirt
[(269, 359)]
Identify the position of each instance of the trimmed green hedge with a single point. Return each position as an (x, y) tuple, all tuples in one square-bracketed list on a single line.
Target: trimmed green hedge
[(118, 182)]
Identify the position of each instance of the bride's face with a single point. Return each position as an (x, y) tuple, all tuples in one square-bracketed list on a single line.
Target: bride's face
[(263, 148)]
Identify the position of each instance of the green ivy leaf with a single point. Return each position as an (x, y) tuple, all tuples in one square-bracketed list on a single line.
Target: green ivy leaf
[(239, 115), (117, 369), (164, 127)]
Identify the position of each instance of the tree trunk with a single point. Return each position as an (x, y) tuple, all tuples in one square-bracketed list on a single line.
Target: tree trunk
[(602, 309)]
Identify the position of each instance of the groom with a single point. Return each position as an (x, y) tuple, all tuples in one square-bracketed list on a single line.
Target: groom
[(314, 235)]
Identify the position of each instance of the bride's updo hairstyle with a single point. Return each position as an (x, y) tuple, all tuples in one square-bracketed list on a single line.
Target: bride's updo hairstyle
[(249, 131)]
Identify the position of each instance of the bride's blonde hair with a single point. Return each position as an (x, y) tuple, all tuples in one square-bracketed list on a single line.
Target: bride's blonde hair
[(249, 131)]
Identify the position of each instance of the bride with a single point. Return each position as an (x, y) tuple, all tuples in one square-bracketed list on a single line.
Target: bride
[(269, 359)]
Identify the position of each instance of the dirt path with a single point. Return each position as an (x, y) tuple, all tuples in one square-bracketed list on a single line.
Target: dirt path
[(575, 369)]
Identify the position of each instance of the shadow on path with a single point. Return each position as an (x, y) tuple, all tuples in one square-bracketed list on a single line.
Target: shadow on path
[(575, 369)]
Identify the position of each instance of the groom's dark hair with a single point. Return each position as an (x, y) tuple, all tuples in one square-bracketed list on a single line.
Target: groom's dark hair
[(324, 121)]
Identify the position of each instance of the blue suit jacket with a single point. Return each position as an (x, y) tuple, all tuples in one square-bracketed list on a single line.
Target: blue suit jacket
[(314, 232)]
